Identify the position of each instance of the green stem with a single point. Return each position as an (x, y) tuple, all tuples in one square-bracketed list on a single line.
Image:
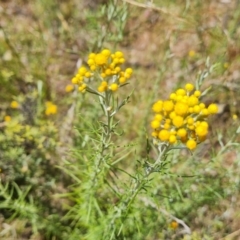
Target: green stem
[(105, 139), (126, 205)]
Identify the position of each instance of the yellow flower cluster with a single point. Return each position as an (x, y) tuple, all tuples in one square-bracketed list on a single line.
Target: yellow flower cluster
[(106, 67), (50, 108), (182, 118)]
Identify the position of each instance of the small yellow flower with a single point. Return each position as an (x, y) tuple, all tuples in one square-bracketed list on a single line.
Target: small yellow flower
[(129, 71), (155, 124), (82, 71), (173, 96), (205, 112), (204, 124), (87, 75), (108, 71), (82, 88), (201, 131), (101, 59), (127, 75), (119, 54), (155, 134), (157, 107), (7, 118), (69, 88), (191, 144), (168, 105), (192, 101), (172, 139), (91, 55), (189, 87), (196, 109), (158, 117), (190, 120), (74, 80), (14, 104), (191, 126), (191, 53), (172, 115), (122, 79), (106, 52), (226, 65), (212, 108), (181, 92), (166, 126), (101, 88), (91, 62), (197, 93), (174, 225), (181, 108), (177, 121), (117, 69), (182, 132), (51, 108), (122, 60), (164, 135), (234, 117), (93, 68), (114, 87), (202, 105)]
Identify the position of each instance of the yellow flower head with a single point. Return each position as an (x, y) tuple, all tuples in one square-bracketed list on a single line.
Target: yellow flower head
[(164, 135), (181, 108), (174, 225), (191, 144), (226, 65), (212, 108), (114, 87), (158, 106), (69, 88), (7, 118), (168, 105), (234, 116), (155, 124), (14, 104), (178, 121), (51, 108), (201, 131), (189, 87), (182, 132), (101, 59), (191, 53), (82, 88)]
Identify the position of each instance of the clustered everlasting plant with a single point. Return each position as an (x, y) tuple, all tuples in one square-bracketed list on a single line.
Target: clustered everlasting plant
[(83, 155), (104, 67), (182, 118)]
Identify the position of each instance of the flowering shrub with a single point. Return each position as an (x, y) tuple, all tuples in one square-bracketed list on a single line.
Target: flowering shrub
[(81, 168), (105, 67), (182, 118)]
